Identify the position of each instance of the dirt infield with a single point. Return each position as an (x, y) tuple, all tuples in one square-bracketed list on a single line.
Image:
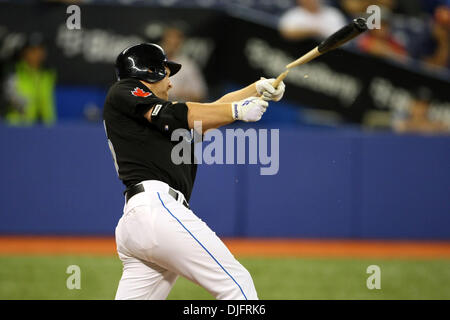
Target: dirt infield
[(240, 247)]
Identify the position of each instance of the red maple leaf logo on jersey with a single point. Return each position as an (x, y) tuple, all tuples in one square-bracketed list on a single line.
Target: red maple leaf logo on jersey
[(138, 92)]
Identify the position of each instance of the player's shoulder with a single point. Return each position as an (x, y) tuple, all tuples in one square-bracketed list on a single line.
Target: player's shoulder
[(129, 87), (130, 92)]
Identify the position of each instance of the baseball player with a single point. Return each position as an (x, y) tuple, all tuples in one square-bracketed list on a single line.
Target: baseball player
[(159, 237)]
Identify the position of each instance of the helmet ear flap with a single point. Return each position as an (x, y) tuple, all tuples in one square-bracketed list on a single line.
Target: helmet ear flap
[(158, 72)]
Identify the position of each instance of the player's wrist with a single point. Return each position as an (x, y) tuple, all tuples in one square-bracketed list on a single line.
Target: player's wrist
[(236, 112), (255, 87)]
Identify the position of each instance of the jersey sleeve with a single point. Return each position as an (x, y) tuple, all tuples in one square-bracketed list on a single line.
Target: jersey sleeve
[(134, 101)]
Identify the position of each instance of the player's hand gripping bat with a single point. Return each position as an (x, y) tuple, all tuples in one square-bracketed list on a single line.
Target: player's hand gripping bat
[(337, 39)]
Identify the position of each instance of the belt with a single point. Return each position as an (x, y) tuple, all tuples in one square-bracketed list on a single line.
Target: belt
[(138, 188)]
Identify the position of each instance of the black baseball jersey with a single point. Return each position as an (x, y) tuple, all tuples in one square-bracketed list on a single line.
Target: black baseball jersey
[(140, 150)]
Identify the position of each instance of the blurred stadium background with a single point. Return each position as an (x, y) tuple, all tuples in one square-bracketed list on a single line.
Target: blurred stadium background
[(364, 173)]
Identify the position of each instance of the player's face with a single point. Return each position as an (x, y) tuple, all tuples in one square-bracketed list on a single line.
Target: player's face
[(161, 88)]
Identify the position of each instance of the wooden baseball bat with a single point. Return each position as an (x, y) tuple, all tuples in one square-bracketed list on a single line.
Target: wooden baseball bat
[(337, 39)]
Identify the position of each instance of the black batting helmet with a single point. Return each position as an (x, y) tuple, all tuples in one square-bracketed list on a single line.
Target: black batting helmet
[(145, 61)]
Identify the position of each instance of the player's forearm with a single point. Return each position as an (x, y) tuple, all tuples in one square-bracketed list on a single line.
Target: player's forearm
[(211, 115), (237, 95)]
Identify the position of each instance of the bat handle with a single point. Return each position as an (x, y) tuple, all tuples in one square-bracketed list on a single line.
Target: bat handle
[(279, 79)]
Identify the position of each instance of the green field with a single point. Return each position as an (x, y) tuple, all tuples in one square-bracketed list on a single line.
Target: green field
[(44, 277)]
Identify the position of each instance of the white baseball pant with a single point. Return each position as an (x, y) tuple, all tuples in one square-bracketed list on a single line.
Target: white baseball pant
[(158, 239)]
